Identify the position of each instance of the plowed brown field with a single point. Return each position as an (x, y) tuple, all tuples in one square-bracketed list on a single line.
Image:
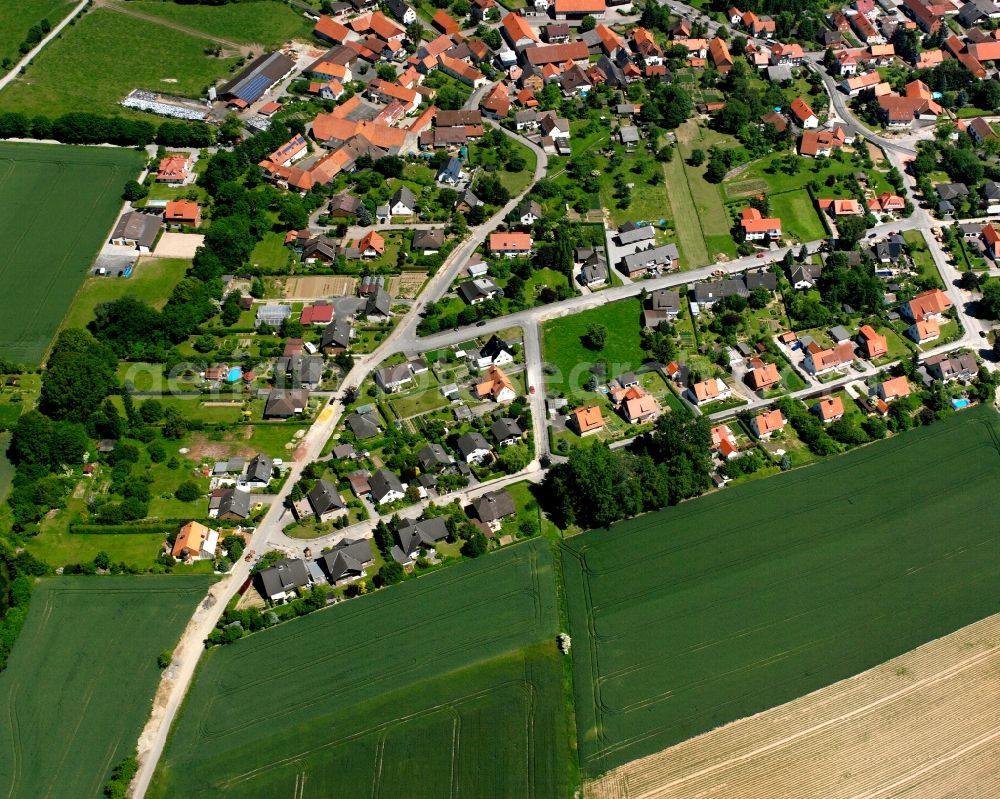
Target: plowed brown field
[(925, 724)]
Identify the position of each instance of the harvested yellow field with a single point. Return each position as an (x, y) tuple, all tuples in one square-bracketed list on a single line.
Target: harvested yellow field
[(925, 725)]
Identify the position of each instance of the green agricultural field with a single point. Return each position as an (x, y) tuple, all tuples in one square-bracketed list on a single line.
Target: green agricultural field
[(265, 22), (446, 685), (105, 55), (152, 281), (716, 609), (43, 263), (80, 681), (19, 15), (563, 348)]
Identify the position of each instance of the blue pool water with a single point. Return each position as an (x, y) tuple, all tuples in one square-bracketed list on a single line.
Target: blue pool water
[(958, 404), (234, 374)]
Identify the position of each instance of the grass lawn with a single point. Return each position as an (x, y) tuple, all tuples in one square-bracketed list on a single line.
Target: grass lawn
[(270, 252), (17, 16), (766, 176), (6, 467), (152, 281), (706, 208), (695, 642), (101, 58), (43, 264), (516, 182), (921, 256), (82, 635), (447, 705), (266, 22), (57, 547), (529, 510), (563, 349), (799, 217), (540, 278), (415, 404)]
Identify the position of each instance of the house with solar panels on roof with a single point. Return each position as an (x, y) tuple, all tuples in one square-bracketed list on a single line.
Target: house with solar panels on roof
[(256, 80)]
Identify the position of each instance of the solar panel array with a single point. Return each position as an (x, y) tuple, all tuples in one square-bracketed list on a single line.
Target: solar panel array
[(253, 89)]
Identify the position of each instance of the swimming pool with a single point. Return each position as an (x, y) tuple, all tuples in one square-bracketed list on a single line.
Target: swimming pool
[(958, 404), (234, 374)]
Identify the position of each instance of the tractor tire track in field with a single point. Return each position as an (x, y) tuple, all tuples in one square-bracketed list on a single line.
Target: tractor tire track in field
[(912, 720), (242, 49)]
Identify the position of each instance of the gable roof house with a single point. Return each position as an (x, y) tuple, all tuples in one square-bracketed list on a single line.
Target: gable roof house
[(948, 367), (506, 432), (665, 257), (496, 352), (664, 305), (931, 304), (391, 378), (511, 244), (473, 447), (803, 115), (494, 507), (434, 458), (137, 230), (325, 501), (195, 541), (280, 582), (478, 290), (378, 306), (416, 535), (587, 420), (337, 335), (497, 386), (815, 143), (823, 361), (363, 425), (182, 213), (229, 504), (894, 388), (347, 561), (260, 471), (872, 343), (766, 424), (763, 377), (578, 9), (756, 227), (829, 409), (284, 403), (386, 487), (711, 390)]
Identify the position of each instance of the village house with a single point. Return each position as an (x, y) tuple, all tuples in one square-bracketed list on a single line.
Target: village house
[(713, 389), (829, 409), (587, 420), (182, 213), (195, 541), (756, 227), (496, 386), (823, 361), (766, 424), (873, 344)]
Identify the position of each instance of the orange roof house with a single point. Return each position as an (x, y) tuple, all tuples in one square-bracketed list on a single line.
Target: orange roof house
[(517, 29), (840, 207), (821, 142), (510, 243), (194, 540), (718, 50), (803, 114), (829, 409), (578, 8), (610, 41), (894, 388), (756, 226), (173, 169), (372, 243), (331, 30), (588, 420), (763, 377), (991, 238), (765, 424), (872, 343), (635, 404), (182, 212), (444, 22), (497, 386), (724, 442), (925, 330), (926, 305)]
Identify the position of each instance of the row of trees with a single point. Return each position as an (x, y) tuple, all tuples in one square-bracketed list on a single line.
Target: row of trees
[(81, 127)]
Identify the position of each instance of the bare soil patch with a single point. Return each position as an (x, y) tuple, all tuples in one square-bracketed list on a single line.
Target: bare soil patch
[(178, 245), (925, 724), (319, 286)]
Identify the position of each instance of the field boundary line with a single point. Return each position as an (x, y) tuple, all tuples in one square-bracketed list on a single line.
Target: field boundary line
[(946, 674)]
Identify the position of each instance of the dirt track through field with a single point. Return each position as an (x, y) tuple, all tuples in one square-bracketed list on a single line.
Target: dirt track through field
[(925, 724)]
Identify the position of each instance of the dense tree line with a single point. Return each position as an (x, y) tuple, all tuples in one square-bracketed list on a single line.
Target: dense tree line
[(81, 127), (598, 486)]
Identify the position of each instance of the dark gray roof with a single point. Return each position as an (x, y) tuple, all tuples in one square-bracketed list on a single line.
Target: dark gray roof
[(324, 498), (347, 559), (643, 233), (138, 227), (260, 469), (472, 290), (337, 333), (236, 503), (405, 196), (767, 280), (283, 576), (428, 239), (493, 506), (658, 255), (321, 248), (504, 429), (433, 456), (283, 402), (991, 190), (951, 191), (494, 347), (665, 300), (415, 535), (302, 369), (711, 290), (363, 425), (382, 482), (391, 375), (379, 303), (470, 442)]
